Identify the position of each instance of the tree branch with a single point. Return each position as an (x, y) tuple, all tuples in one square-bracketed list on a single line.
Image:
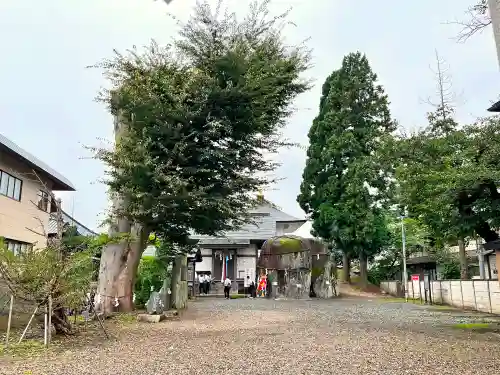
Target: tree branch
[(478, 18)]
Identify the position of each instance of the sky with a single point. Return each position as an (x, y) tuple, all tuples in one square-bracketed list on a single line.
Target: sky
[(47, 94)]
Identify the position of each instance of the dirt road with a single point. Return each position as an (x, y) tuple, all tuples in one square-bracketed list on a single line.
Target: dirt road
[(234, 337)]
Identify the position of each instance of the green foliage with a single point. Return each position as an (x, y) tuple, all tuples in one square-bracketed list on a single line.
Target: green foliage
[(389, 263), (317, 271), (344, 183), (198, 120), (34, 275), (450, 180), (151, 273), (449, 264), (290, 244)]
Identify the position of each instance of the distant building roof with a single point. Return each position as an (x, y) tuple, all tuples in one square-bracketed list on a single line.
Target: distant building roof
[(81, 229), (266, 215), (61, 183), (495, 107)]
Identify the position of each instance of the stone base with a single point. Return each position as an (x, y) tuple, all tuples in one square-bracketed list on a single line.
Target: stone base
[(171, 315), (150, 318)]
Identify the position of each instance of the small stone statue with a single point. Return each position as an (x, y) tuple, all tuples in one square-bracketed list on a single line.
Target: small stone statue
[(155, 304)]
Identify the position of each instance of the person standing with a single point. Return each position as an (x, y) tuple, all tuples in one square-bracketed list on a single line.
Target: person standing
[(208, 280), (254, 288), (227, 287), (201, 281), (249, 287), (261, 289), (269, 286)]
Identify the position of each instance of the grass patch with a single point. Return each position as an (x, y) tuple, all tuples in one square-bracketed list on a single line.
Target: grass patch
[(27, 348), (472, 326), (125, 318), (401, 300), (482, 327), (237, 296)]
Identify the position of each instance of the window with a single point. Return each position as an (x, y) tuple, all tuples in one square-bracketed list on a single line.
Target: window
[(10, 186), (43, 200), (17, 246)]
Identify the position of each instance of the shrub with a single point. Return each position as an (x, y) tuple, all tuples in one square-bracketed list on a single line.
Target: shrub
[(34, 275), (151, 273)]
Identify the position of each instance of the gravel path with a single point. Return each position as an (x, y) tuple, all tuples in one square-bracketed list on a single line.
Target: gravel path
[(347, 336)]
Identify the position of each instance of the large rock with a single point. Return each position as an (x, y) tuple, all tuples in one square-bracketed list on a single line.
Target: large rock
[(150, 318), (325, 284), (298, 285)]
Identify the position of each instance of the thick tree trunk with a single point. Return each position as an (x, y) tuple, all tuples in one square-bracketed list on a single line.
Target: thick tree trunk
[(333, 268), (363, 270), (346, 268), (60, 322), (119, 263), (463, 260)]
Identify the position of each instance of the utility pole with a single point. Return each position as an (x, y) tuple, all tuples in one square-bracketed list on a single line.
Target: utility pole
[(405, 273), (480, 257)]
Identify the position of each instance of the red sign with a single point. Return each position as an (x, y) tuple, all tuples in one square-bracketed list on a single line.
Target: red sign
[(415, 277)]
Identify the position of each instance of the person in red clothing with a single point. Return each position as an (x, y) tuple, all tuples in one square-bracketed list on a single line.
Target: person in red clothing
[(261, 289)]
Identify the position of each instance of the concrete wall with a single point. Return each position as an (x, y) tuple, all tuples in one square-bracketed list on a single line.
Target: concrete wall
[(480, 295), (391, 287), (17, 216)]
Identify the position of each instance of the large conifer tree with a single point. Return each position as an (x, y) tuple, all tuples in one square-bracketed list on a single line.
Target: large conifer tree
[(344, 186)]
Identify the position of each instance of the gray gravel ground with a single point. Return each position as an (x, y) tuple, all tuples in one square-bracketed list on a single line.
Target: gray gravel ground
[(347, 336)]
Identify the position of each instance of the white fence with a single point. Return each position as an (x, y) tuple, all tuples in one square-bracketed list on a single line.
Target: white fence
[(480, 295)]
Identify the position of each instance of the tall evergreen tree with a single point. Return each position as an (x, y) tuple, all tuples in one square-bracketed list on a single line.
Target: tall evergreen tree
[(344, 185)]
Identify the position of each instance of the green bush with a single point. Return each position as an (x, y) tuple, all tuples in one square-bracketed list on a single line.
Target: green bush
[(151, 273), (450, 269)]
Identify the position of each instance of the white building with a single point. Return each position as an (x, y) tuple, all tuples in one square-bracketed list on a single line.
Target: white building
[(241, 246)]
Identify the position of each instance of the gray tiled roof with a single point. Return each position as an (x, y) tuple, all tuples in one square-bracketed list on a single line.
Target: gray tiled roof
[(283, 216), (264, 228), (61, 183)]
